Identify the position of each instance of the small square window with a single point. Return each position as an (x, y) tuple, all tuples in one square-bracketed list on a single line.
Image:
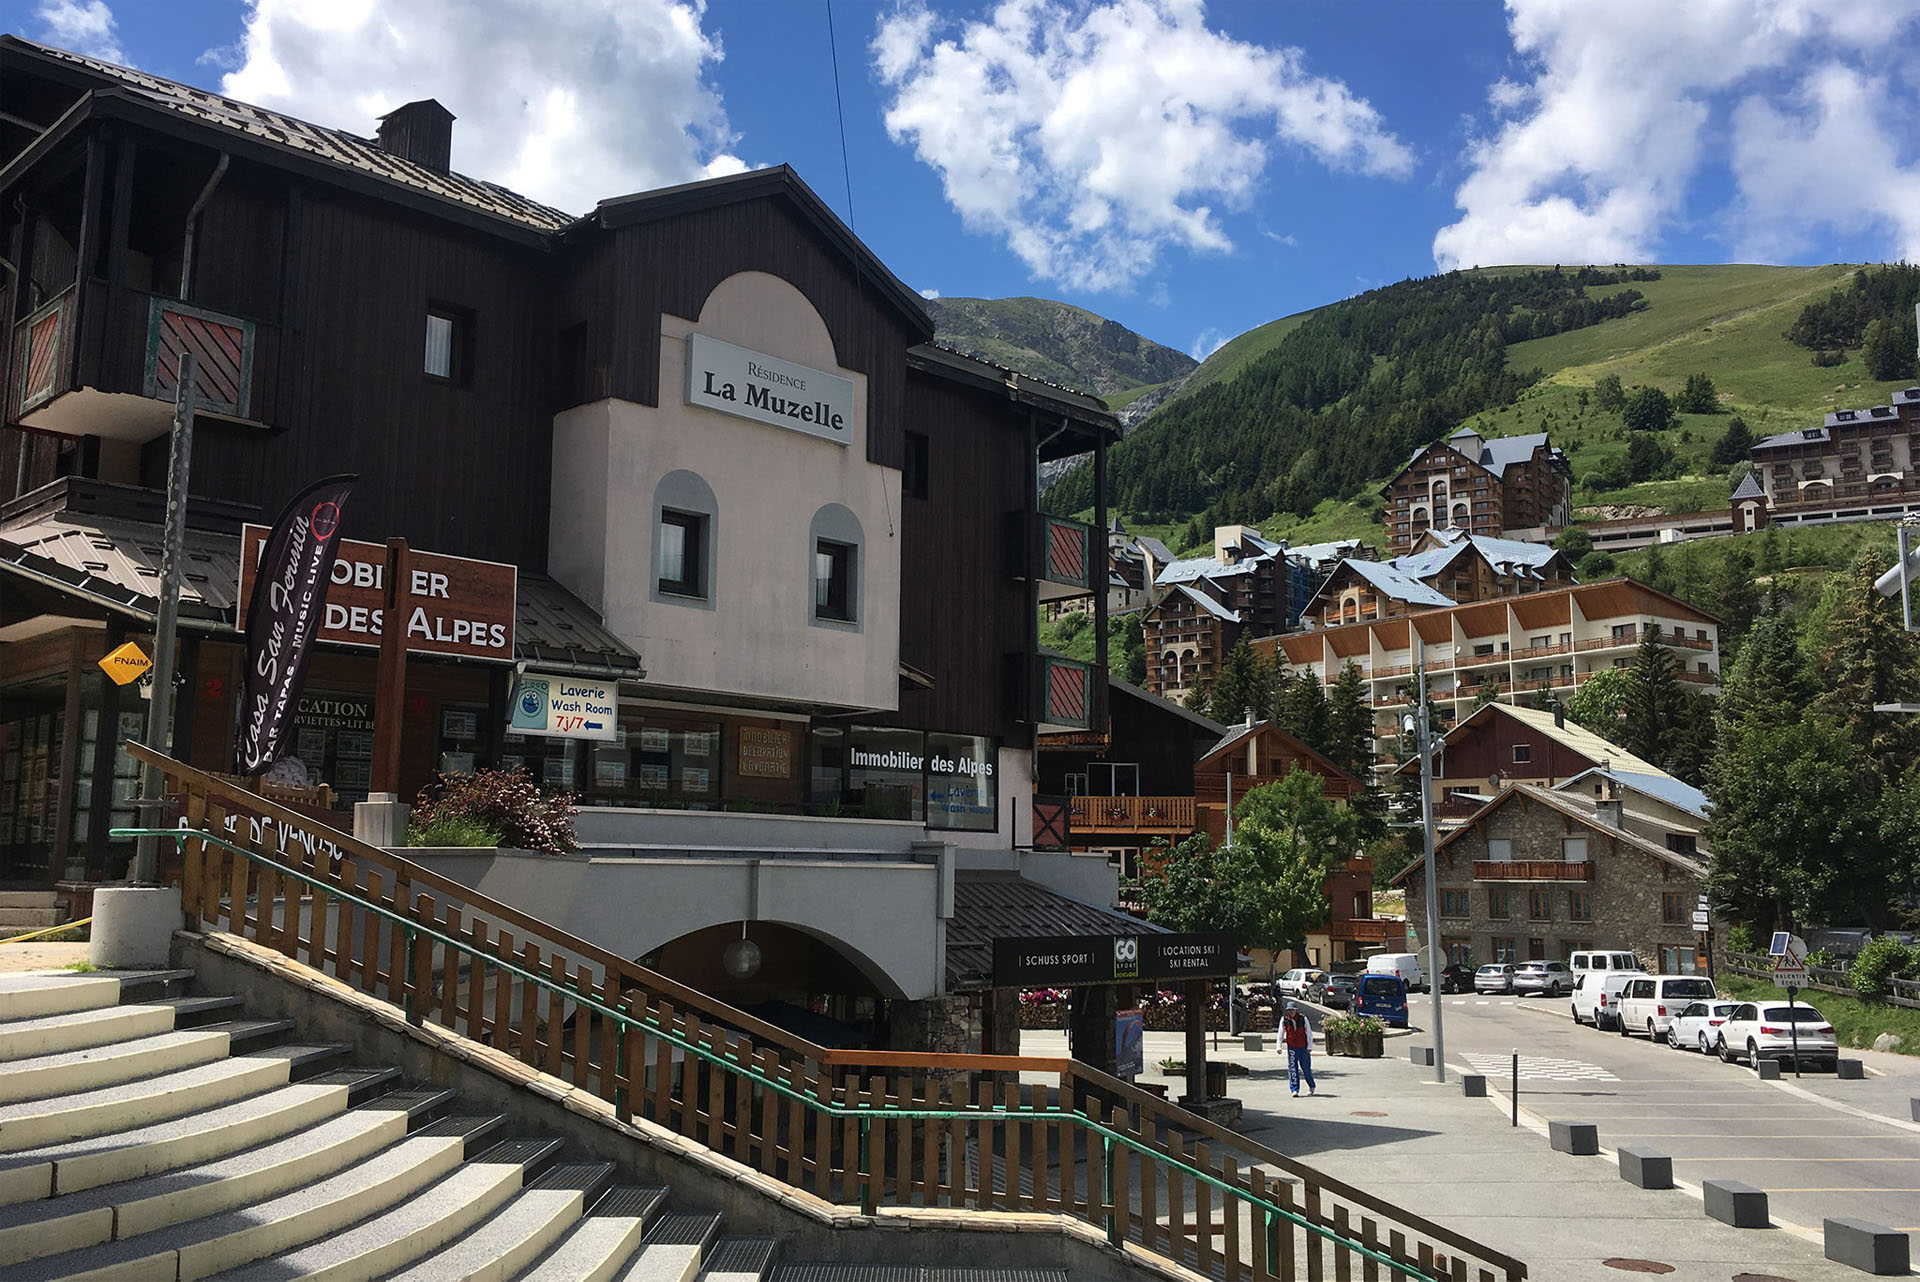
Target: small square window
[(1522, 752), (833, 581), (683, 538)]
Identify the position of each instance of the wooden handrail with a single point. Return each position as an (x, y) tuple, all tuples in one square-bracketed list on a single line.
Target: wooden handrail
[(426, 942)]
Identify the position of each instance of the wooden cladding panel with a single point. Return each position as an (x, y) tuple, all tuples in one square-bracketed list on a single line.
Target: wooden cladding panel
[(619, 286)]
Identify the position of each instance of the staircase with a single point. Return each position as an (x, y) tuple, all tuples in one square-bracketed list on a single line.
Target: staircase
[(148, 1134), (24, 911)]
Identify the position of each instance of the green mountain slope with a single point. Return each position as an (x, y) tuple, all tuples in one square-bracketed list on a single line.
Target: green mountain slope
[(1057, 342)]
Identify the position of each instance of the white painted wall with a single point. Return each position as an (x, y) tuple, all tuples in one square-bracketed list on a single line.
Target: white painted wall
[(768, 482)]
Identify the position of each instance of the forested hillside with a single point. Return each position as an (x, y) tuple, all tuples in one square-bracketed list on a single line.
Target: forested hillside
[(1351, 390)]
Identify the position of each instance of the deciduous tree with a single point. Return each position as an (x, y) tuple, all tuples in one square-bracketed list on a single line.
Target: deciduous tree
[(1293, 838)]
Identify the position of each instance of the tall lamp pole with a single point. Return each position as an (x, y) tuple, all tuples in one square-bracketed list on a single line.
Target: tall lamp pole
[(1423, 743), (146, 860)]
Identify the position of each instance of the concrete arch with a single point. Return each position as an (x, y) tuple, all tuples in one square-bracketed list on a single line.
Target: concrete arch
[(769, 314), (869, 969)]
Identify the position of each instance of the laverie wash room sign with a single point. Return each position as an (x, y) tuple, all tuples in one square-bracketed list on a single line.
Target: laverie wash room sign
[(766, 389), (565, 707)]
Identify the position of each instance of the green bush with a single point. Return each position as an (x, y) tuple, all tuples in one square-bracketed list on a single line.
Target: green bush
[(452, 830), (1873, 971), (1741, 939)]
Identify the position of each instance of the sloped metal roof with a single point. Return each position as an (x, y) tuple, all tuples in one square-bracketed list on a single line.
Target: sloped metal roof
[(1749, 488), (1397, 583), (998, 904)]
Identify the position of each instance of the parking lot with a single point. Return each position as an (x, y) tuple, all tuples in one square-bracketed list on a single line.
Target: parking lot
[(1820, 1147)]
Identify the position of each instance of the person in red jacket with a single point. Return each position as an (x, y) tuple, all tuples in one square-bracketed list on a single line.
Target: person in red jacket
[(1298, 1039)]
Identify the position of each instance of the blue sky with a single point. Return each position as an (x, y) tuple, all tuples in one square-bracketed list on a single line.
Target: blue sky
[(1190, 170)]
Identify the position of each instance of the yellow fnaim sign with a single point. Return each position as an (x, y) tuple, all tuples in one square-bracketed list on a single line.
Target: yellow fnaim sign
[(127, 663)]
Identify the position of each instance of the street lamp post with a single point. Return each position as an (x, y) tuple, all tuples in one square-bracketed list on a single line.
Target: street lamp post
[(1423, 744)]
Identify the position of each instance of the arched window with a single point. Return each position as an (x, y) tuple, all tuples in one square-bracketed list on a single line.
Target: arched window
[(686, 520), (837, 550)]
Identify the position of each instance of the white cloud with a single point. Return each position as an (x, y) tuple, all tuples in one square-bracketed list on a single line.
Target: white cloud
[(929, 294), (569, 101), (1092, 136), (1207, 342), (1629, 100), (84, 26)]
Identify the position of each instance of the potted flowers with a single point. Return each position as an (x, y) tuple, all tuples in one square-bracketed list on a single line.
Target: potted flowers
[(1362, 1036)]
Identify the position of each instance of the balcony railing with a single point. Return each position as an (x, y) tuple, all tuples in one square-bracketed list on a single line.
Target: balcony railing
[(1133, 814), (1532, 870), (42, 349), (223, 346), (1055, 551), (1369, 930)]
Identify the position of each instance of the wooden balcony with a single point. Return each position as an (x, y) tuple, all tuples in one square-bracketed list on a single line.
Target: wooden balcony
[(1055, 552), (223, 346), (1533, 870), (1369, 930), (1155, 816)]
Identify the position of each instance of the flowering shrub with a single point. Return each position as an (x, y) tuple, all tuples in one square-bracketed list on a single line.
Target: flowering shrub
[(503, 801), (1351, 1025)]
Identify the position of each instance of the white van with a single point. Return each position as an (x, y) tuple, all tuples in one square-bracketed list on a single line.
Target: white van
[(1602, 959), (1406, 966)]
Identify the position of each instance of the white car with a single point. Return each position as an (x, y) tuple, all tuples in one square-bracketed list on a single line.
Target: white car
[(1302, 983), (1649, 1003), (1697, 1026), (1775, 1030)]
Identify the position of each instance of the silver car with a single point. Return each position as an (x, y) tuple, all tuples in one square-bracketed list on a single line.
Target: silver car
[(1550, 977), (1494, 977)]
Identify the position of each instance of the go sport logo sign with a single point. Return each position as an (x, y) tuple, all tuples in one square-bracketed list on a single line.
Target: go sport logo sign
[(1126, 956)]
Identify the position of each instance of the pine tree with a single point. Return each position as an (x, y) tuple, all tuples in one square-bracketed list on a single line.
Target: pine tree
[(1734, 443), (1735, 598), (1245, 684), (1769, 562), (1302, 712), (1350, 723), (1870, 658), (1651, 704)]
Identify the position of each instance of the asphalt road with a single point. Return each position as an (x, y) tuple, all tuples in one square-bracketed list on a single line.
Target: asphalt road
[(1823, 1148)]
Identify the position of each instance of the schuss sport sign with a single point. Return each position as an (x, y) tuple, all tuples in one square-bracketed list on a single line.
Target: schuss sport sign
[(1064, 960)]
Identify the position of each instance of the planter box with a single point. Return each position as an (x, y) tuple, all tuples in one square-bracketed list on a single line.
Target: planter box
[(1357, 1045)]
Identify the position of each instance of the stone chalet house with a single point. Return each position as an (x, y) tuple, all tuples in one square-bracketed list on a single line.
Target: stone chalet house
[(1481, 486), (1540, 872)]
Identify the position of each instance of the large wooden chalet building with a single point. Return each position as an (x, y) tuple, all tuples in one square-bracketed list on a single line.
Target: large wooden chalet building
[(1481, 486)]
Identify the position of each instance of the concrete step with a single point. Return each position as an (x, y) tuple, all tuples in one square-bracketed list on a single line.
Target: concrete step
[(36, 1123), (600, 1245), (29, 899), (205, 1246), (184, 1141), (740, 1259), (29, 918), (81, 1030), (673, 1248), (192, 1012), (519, 1232), (43, 1076), (126, 1209), (909, 1273), (150, 985), (37, 994), (411, 1229)]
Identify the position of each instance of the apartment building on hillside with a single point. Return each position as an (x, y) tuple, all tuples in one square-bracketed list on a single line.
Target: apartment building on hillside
[(1445, 567), (1515, 648), (1854, 456), (1481, 486)]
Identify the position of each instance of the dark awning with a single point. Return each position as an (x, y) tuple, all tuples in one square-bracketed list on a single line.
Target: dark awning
[(990, 905)]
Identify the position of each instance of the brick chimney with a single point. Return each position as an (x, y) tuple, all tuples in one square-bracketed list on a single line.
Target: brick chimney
[(421, 132)]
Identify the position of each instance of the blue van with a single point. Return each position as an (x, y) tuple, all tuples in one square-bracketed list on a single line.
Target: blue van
[(1382, 995)]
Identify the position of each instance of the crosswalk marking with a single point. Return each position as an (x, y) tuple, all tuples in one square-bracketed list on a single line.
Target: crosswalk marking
[(1539, 1068)]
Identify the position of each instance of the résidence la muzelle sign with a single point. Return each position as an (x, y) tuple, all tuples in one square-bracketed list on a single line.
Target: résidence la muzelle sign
[(766, 389)]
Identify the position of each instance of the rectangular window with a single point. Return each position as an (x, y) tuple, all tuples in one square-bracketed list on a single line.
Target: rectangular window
[(1573, 849), (833, 581), (1504, 949), (1580, 905), (683, 553), (1453, 903), (1539, 905), (1683, 843), (1540, 643), (1673, 908), (1500, 849), (913, 476), (439, 345), (1459, 952), (1522, 752), (449, 336), (1623, 631), (1497, 906)]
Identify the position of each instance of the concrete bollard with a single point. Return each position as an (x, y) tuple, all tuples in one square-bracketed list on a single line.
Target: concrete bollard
[(1731, 1202), (1474, 1085), (1646, 1168), (133, 927), (1913, 1106), (1767, 1070), (1252, 1042), (1421, 1055), (1870, 1248), (1582, 1139), (1851, 1070)]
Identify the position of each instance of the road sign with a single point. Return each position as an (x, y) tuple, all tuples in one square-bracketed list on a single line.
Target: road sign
[(1789, 960), (1700, 920), (125, 664)]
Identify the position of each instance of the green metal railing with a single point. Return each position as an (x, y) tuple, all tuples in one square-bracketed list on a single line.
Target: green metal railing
[(1274, 1215)]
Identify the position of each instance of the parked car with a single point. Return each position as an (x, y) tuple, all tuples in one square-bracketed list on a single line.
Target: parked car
[(1456, 979), (1382, 995), (1697, 1025), (1494, 977), (1775, 1031), (1602, 959), (1549, 977), (1649, 1003), (1300, 983), (1403, 966), (1338, 991), (1605, 1000)]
